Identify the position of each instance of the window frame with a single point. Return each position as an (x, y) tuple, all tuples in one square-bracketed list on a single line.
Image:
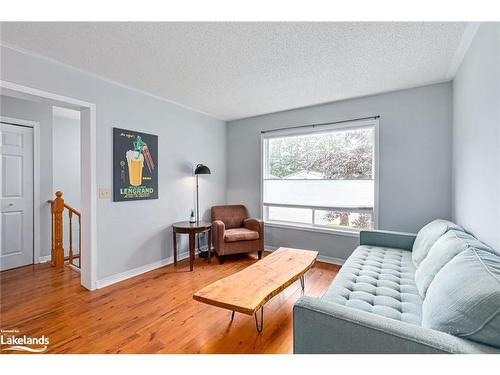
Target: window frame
[(311, 129)]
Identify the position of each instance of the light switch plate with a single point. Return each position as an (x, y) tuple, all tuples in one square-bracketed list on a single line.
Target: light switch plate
[(104, 193)]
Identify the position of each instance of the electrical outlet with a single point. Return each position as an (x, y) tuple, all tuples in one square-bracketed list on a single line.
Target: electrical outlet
[(104, 193)]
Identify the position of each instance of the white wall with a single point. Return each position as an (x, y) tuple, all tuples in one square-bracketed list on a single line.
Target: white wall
[(133, 234), (415, 161), (41, 113), (476, 137), (66, 165)]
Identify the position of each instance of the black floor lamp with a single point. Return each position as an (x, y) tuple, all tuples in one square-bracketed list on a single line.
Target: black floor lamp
[(200, 169)]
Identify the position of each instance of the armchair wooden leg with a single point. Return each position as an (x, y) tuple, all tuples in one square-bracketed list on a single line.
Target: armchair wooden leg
[(221, 259), (259, 254)]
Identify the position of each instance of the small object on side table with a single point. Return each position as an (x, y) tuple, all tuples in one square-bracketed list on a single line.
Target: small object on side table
[(192, 219), (185, 227)]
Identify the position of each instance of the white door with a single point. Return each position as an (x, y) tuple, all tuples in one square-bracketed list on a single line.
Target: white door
[(16, 196)]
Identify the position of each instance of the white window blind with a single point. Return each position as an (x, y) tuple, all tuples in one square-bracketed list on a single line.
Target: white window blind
[(321, 176)]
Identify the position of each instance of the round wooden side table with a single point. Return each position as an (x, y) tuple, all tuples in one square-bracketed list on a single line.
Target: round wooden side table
[(185, 227)]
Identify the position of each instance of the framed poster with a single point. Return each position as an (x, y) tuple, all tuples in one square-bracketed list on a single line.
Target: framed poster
[(135, 165)]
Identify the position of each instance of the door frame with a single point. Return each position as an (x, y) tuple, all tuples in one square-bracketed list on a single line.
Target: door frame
[(36, 179), (88, 179)]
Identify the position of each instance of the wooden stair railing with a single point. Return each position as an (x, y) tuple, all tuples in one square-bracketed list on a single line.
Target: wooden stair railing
[(57, 207)]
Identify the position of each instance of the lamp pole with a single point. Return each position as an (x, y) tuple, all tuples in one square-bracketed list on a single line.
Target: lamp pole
[(200, 169), (197, 204), (197, 212)]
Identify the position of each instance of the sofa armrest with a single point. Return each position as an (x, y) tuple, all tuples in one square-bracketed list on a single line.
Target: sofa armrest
[(382, 238), (321, 326), (254, 224)]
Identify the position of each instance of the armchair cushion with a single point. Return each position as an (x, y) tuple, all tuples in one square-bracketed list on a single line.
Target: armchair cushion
[(240, 234)]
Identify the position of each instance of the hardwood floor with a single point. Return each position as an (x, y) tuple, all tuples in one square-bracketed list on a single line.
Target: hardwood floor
[(150, 313)]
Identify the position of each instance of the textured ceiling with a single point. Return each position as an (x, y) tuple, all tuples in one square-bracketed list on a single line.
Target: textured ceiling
[(236, 70)]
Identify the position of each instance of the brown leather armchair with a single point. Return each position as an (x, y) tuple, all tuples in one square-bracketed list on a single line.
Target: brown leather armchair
[(233, 232)]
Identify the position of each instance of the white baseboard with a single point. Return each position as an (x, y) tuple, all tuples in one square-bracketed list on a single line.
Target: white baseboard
[(270, 248), (74, 268), (116, 278), (44, 259), (321, 258), (331, 260)]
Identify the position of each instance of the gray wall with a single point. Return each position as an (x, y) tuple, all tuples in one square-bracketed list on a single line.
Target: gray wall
[(415, 161), (133, 234), (66, 167), (476, 137), (66, 158), (41, 113)]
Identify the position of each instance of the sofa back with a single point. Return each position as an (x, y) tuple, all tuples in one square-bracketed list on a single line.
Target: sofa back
[(458, 278), (444, 250), (427, 237), (464, 297)]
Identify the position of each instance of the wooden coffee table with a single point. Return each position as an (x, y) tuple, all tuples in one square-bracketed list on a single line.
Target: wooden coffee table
[(248, 290)]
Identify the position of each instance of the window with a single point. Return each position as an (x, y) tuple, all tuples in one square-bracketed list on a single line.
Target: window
[(321, 176)]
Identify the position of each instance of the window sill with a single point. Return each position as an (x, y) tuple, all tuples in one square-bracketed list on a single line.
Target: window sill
[(308, 228)]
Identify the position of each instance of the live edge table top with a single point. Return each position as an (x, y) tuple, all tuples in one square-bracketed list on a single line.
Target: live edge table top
[(248, 290)]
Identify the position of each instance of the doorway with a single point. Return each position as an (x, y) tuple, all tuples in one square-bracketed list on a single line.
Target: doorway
[(88, 170), (17, 198), (66, 175)]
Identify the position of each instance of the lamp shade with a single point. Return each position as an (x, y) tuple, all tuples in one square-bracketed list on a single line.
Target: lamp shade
[(202, 169)]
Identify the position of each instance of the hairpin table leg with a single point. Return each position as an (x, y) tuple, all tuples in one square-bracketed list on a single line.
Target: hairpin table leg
[(302, 283), (232, 316), (261, 326)]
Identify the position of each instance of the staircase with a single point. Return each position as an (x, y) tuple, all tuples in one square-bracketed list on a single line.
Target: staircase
[(57, 209)]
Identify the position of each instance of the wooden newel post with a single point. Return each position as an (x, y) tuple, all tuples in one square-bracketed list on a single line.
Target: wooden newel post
[(58, 251)]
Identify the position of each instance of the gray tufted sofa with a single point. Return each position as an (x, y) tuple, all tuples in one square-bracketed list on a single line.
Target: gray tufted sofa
[(375, 306)]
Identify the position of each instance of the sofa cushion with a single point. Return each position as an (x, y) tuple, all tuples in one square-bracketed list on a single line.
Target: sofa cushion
[(464, 297), (428, 235), (378, 280), (240, 234), (446, 247)]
